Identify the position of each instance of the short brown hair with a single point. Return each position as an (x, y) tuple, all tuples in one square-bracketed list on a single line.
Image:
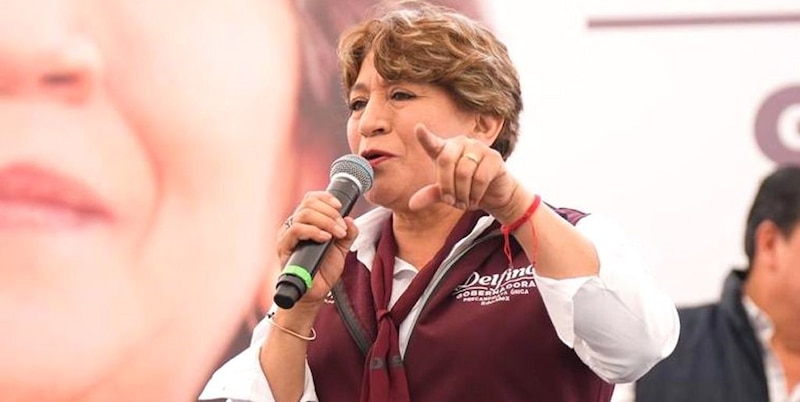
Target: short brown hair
[(424, 43)]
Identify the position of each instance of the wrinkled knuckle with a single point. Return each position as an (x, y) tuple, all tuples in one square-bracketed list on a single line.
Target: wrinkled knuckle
[(301, 215), (287, 236), (307, 196), (463, 173), (480, 180), (312, 196)]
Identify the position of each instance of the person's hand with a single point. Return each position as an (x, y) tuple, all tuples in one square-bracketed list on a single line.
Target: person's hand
[(317, 218), (470, 175)]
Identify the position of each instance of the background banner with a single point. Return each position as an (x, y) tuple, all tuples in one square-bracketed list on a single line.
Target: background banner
[(663, 115)]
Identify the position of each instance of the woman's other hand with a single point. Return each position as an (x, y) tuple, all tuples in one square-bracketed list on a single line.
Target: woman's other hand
[(317, 219)]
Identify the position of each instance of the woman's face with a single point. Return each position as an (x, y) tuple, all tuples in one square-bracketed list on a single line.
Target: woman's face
[(137, 144), (382, 125)]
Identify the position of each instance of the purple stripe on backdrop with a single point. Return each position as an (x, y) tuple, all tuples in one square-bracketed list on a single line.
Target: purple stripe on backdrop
[(677, 21)]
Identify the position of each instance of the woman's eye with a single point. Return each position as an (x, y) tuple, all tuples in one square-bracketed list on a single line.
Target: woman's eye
[(399, 95), (357, 104)]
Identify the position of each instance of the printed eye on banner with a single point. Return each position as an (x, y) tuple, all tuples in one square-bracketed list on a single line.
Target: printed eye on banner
[(777, 125)]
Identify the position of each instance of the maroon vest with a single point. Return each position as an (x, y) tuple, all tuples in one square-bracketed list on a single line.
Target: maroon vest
[(483, 335)]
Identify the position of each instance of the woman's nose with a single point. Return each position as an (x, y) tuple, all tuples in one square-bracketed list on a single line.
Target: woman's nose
[(375, 119), (41, 56)]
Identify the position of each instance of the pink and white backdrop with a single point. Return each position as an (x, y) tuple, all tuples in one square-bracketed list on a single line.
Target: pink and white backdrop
[(663, 115)]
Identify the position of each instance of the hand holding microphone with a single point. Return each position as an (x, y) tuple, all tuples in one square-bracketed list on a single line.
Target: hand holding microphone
[(313, 230)]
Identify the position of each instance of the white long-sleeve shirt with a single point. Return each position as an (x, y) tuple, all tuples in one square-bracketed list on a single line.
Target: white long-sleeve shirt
[(618, 322)]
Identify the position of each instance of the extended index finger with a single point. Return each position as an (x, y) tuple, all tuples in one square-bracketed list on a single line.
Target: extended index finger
[(431, 143)]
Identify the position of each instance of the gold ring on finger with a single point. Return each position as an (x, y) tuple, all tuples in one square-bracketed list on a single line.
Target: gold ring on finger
[(472, 157)]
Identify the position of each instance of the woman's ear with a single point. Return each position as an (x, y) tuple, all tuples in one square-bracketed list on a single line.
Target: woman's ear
[(487, 128)]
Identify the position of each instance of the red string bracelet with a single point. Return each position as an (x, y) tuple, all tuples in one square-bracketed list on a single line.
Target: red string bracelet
[(507, 229)]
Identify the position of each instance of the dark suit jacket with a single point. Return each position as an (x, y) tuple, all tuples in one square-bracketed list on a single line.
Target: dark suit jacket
[(718, 357)]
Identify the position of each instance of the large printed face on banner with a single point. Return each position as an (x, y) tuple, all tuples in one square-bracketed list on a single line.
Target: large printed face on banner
[(137, 143)]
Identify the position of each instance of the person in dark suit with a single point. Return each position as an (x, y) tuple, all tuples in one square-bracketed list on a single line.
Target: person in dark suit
[(746, 346)]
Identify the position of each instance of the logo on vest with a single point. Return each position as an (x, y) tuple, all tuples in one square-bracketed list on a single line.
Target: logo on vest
[(490, 289)]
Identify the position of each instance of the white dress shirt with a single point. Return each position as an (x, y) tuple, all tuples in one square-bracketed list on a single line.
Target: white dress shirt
[(776, 379), (618, 322)]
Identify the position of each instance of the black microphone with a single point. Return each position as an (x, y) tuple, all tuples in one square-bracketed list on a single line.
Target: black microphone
[(351, 175)]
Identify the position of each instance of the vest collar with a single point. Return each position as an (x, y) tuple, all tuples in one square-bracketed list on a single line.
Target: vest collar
[(370, 225)]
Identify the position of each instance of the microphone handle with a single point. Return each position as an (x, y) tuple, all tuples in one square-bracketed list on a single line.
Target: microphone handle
[(299, 271)]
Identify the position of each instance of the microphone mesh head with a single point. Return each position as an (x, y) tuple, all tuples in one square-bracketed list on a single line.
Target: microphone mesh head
[(355, 166)]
